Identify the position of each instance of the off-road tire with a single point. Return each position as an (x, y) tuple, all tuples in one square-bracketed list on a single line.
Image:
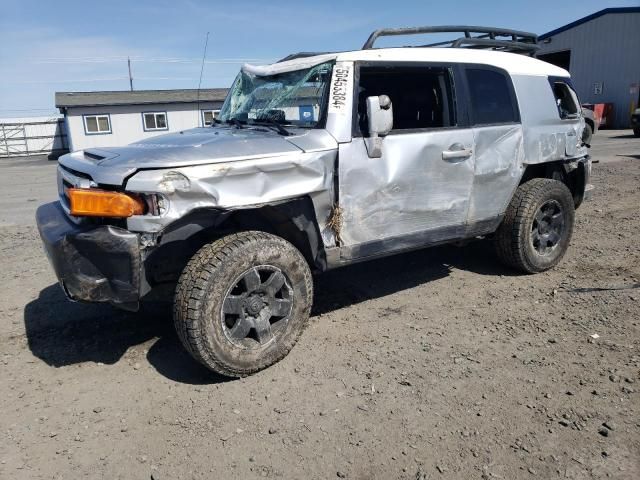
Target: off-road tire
[(205, 283), (514, 238)]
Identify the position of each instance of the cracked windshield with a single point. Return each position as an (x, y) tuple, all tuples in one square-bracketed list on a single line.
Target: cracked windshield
[(295, 98)]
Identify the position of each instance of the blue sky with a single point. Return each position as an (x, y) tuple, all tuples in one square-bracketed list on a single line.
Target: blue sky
[(70, 45)]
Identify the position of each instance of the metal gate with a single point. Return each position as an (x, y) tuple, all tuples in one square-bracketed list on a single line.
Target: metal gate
[(33, 137)]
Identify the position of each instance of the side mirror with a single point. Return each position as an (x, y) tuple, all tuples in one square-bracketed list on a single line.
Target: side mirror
[(380, 121)]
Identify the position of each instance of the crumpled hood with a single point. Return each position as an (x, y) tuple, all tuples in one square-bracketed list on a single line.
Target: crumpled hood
[(198, 145), (112, 165)]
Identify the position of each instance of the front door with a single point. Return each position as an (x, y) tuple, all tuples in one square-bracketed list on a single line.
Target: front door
[(418, 192)]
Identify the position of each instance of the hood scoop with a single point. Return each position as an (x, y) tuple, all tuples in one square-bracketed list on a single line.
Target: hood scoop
[(96, 156), (93, 156)]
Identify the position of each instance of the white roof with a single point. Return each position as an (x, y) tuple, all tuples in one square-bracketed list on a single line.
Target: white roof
[(515, 64)]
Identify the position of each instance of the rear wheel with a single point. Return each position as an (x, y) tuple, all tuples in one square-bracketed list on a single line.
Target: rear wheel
[(242, 302), (537, 227), (636, 131)]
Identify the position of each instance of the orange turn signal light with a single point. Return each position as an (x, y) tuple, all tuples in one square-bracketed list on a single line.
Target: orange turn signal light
[(91, 202)]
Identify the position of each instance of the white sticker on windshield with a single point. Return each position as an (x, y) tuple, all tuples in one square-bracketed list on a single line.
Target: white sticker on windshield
[(341, 87)]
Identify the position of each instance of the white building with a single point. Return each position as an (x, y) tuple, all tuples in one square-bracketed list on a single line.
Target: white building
[(108, 119)]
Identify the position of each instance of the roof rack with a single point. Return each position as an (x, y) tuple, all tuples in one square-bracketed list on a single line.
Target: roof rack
[(294, 56), (501, 39)]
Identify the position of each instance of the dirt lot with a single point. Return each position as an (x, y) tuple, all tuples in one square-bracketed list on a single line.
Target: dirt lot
[(433, 364)]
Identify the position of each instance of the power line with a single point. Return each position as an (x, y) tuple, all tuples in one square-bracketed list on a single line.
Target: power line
[(72, 60), (104, 79), (84, 80)]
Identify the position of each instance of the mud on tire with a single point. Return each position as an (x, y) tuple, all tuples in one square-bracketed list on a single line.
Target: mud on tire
[(242, 302), (537, 227)]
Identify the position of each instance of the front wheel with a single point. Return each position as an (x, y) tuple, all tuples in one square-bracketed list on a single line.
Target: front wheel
[(242, 302), (537, 227), (636, 131)]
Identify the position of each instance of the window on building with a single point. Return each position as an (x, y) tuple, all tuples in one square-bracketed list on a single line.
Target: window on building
[(421, 96), (208, 116), (95, 124), (155, 121), (492, 100), (566, 99)]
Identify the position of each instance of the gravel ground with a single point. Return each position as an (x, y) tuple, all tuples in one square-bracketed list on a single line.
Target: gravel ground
[(432, 364)]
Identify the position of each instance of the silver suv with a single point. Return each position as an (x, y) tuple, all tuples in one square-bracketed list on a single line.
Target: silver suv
[(319, 161)]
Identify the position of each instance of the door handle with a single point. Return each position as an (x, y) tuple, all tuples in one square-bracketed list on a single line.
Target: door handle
[(457, 151)]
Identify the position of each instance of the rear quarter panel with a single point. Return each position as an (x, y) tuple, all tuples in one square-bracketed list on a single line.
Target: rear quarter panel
[(546, 136)]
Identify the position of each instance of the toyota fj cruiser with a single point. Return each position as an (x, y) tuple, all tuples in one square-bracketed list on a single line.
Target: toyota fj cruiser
[(319, 161)]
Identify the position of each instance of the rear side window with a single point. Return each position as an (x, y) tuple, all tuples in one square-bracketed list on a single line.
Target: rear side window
[(492, 100), (566, 99)]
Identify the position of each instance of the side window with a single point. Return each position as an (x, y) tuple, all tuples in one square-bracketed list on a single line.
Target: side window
[(422, 97), (566, 99), (97, 124), (491, 98)]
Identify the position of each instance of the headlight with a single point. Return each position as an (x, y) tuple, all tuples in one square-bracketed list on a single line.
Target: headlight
[(93, 202)]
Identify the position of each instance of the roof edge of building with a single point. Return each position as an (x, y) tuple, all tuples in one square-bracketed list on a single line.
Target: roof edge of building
[(588, 18), (123, 104), (149, 90)]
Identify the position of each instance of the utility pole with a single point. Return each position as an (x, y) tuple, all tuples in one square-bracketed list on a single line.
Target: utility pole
[(130, 77)]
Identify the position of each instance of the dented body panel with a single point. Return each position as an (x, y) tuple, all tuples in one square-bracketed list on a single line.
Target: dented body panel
[(499, 164), (198, 146), (237, 185), (409, 189), (547, 138)]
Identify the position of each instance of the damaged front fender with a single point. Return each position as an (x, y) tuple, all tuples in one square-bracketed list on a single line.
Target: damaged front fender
[(243, 184)]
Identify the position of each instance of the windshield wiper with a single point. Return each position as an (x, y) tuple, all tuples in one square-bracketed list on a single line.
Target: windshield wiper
[(237, 123), (230, 121), (272, 123)]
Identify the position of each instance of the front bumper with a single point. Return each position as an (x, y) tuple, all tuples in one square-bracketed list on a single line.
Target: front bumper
[(94, 263)]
